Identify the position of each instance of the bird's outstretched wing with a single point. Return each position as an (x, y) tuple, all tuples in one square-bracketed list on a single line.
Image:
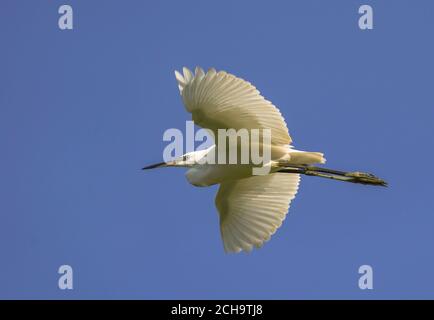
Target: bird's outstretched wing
[(219, 100), (252, 209)]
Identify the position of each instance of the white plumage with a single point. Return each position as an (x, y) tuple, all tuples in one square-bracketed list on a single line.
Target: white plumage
[(219, 100), (251, 207)]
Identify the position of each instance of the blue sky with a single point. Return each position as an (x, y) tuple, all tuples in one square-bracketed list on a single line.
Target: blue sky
[(81, 111)]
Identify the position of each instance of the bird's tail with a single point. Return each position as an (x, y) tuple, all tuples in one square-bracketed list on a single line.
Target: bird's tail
[(305, 157)]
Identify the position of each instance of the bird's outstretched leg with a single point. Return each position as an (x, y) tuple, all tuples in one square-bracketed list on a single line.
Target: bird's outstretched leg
[(354, 177)]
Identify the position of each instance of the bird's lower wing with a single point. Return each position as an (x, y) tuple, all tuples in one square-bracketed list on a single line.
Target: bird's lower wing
[(252, 209)]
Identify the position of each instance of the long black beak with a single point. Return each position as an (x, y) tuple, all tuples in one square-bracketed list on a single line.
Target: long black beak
[(156, 165)]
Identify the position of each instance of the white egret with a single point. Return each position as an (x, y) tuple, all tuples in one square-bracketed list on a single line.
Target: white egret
[(251, 207)]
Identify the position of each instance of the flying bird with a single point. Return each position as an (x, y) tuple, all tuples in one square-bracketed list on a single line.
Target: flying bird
[(251, 207)]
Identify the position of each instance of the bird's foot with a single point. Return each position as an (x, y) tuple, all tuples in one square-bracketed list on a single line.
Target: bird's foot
[(365, 178)]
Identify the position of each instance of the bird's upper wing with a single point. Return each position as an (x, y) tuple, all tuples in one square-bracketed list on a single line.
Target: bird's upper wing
[(252, 209), (219, 100)]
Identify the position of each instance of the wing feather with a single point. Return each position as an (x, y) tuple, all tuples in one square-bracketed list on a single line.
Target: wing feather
[(252, 209), (219, 100)]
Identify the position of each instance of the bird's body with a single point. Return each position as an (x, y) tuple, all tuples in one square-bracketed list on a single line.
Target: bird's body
[(251, 206), (204, 175)]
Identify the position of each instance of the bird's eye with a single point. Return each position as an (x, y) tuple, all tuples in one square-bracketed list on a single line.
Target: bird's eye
[(184, 158)]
